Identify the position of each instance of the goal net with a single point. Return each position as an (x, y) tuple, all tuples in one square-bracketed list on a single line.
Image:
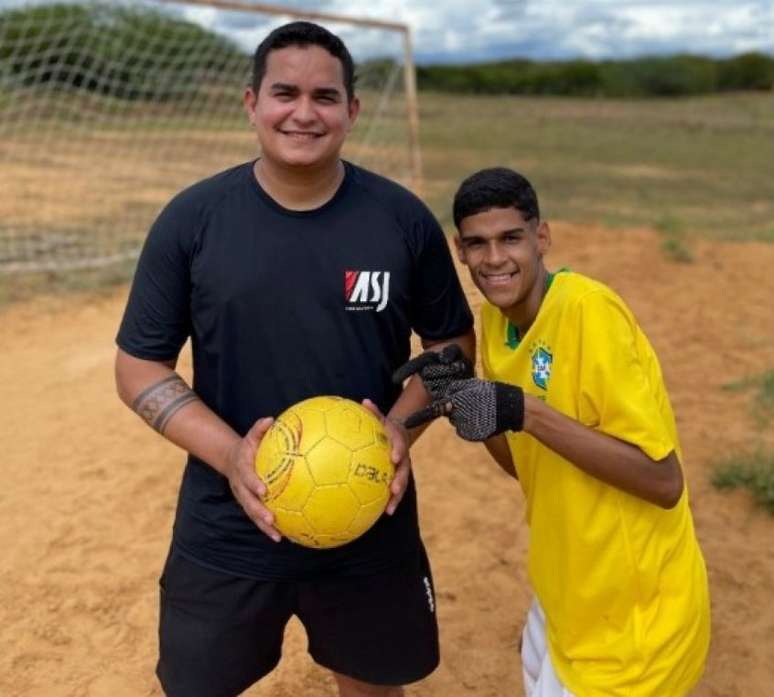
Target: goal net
[(109, 107)]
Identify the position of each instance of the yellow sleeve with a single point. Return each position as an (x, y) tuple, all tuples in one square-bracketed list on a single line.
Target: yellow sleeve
[(621, 391)]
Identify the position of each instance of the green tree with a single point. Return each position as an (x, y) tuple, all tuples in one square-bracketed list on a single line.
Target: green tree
[(133, 53), (748, 71)]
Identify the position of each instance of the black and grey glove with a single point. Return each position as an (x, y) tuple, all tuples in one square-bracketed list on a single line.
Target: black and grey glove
[(478, 409), (437, 369)]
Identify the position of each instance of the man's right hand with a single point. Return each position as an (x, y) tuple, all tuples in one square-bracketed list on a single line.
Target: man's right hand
[(247, 487)]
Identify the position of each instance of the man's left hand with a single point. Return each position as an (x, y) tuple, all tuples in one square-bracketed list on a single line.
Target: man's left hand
[(437, 369), (400, 456)]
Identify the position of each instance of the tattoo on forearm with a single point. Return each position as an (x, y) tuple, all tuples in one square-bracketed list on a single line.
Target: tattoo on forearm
[(160, 402)]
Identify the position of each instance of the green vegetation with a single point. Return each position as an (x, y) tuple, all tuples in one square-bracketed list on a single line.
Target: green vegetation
[(132, 54), (754, 472), (763, 402), (765, 397), (140, 52), (670, 76), (675, 250), (691, 167), (673, 243)]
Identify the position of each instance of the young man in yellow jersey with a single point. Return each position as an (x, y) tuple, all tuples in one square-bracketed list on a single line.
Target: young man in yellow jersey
[(574, 405)]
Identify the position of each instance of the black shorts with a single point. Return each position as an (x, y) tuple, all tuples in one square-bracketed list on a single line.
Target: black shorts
[(218, 634)]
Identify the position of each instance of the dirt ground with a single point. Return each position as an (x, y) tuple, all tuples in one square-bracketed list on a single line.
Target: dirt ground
[(88, 492)]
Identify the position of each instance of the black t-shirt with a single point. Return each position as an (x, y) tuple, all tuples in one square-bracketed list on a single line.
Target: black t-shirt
[(283, 305)]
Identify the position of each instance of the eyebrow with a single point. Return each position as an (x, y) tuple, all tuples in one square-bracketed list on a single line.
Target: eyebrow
[(510, 231), (317, 92), (283, 87), (327, 92)]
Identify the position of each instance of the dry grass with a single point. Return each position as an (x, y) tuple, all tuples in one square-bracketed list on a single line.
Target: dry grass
[(702, 164)]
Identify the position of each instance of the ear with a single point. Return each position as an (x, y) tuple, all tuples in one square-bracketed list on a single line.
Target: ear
[(250, 100), (354, 110), (543, 236)]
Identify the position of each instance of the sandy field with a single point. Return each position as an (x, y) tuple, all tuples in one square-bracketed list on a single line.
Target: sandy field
[(88, 492)]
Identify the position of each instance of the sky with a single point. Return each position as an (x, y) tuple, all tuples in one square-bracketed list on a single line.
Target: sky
[(462, 31)]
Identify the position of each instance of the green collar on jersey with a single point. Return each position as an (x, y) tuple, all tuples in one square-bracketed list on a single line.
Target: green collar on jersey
[(513, 335)]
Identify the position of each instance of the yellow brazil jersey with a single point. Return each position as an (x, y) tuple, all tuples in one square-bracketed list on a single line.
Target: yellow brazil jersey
[(622, 581)]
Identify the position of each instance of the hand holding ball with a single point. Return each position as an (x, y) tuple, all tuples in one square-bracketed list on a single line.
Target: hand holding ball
[(327, 470)]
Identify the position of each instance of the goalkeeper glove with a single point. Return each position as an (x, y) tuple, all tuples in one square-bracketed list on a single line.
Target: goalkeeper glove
[(478, 409), (437, 369)]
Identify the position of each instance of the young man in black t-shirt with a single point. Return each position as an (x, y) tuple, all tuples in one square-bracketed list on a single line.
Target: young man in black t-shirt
[(294, 275)]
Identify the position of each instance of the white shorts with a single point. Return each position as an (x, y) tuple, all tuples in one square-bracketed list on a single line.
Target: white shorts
[(540, 679)]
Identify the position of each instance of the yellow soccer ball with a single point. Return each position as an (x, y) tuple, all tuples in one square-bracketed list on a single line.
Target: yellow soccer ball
[(327, 469)]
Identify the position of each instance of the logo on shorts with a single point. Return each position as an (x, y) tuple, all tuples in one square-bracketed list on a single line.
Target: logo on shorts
[(542, 360), (366, 290), (429, 592)]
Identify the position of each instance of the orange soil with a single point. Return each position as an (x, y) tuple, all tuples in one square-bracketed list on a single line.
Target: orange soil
[(88, 492)]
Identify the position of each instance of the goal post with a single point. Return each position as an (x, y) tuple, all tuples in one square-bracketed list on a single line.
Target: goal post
[(110, 107)]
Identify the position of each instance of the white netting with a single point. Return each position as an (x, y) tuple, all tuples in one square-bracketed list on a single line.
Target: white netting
[(108, 108)]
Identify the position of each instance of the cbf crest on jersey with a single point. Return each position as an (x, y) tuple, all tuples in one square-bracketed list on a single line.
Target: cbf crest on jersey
[(542, 359), (366, 290)]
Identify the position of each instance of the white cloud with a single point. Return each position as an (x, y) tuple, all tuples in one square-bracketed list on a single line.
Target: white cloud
[(463, 30)]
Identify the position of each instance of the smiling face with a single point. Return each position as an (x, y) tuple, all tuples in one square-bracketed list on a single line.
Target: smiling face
[(504, 254), (301, 113)]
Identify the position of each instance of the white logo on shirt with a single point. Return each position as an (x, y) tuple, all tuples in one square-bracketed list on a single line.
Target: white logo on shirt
[(366, 290)]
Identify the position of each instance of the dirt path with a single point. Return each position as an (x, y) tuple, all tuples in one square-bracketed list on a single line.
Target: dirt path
[(88, 492)]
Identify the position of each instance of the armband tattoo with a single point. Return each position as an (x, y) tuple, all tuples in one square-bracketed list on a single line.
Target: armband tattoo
[(160, 402)]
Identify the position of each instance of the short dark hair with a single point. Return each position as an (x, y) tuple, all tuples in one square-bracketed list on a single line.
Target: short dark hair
[(304, 34), (496, 187)]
